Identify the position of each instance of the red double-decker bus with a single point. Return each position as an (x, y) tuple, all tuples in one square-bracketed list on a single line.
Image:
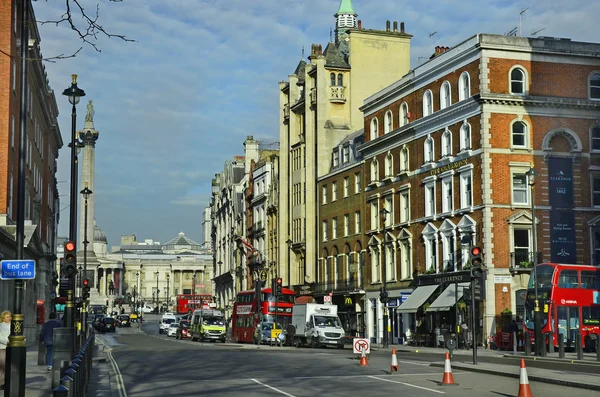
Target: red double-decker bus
[(569, 298), (246, 313), (191, 302)]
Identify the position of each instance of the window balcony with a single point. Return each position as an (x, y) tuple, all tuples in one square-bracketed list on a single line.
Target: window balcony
[(522, 261), (338, 286), (337, 94)]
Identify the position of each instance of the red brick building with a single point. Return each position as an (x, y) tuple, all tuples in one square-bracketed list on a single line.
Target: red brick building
[(43, 142), (448, 153)]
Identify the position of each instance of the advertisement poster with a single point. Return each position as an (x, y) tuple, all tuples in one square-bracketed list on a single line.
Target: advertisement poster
[(562, 237), (560, 181)]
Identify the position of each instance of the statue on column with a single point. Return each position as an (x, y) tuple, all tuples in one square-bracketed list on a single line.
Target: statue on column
[(111, 287), (90, 112)]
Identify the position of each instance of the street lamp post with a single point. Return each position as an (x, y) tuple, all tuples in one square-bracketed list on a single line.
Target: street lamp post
[(137, 283), (157, 290), (86, 193), (74, 93), (537, 315), (167, 291), (16, 353), (384, 294)]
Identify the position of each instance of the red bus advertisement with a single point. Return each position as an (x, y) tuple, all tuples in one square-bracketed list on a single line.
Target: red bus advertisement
[(569, 298), (246, 316), (190, 302)]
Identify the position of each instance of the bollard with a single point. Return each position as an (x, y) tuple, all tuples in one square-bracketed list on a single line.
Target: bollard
[(527, 343), (76, 365), (578, 346), (544, 349), (515, 343), (550, 344), (561, 346), (598, 347), (67, 382), (72, 373), (60, 391)]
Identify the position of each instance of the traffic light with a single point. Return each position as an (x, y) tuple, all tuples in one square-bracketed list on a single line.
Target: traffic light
[(70, 259), (383, 295), (85, 293), (476, 263), (279, 286)]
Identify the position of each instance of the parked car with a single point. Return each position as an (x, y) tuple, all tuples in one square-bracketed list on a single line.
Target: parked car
[(172, 330), (123, 320), (95, 319), (183, 330), (106, 324)]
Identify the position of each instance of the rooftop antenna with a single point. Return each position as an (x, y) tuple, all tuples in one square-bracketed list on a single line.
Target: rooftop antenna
[(512, 32), (521, 21), (431, 37), (534, 33), (330, 35), (302, 52)]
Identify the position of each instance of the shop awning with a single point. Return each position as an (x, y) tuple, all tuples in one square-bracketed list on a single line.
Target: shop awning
[(416, 299), (447, 299)]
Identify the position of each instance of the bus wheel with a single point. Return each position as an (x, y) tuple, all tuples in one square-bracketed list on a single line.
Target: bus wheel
[(297, 343), (313, 343)]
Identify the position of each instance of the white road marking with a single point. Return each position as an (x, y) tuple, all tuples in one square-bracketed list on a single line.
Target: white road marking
[(414, 363), (118, 377), (273, 388), (408, 384)]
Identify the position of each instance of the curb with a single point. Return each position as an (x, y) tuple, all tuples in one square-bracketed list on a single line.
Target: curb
[(560, 382), (555, 360)]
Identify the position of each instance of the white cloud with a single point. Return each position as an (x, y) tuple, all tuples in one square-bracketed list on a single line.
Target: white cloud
[(176, 104)]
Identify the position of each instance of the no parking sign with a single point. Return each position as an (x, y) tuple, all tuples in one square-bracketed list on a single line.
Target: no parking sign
[(360, 343)]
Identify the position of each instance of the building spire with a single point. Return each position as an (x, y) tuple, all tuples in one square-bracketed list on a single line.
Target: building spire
[(345, 18)]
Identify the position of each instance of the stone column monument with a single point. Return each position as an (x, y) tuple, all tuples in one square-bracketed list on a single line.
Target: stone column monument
[(88, 136)]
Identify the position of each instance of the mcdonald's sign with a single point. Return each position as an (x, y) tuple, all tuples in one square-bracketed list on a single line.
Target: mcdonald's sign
[(348, 301)]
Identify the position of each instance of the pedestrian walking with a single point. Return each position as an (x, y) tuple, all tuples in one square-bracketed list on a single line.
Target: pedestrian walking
[(6, 318), (47, 338), (465, 333)]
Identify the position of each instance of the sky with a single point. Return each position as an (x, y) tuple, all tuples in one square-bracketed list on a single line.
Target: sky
[(201, 75)]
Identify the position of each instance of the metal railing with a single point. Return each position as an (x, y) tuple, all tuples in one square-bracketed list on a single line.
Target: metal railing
[(75, 379), (523, 260), (337, 94), (339, 286)]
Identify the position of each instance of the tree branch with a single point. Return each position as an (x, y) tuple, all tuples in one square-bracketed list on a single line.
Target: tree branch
[(49, 59), (90, 29)]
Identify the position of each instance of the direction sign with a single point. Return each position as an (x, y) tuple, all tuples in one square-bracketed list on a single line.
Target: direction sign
[(18, 269), (358, 345)]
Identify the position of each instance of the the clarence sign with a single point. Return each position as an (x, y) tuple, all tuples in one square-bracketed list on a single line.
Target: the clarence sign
[(435, 279), (451, 166)]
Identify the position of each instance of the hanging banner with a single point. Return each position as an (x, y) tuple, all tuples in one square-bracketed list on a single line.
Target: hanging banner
[(560, 182), (562, 237)]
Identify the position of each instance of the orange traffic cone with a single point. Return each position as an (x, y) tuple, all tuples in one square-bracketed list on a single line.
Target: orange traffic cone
[(448, 379), (363, 358), (394, 361), (524, 389)]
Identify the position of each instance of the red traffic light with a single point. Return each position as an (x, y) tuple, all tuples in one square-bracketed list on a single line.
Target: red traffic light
[(279, 281), (69, 246), (86, 282), (475, 251)]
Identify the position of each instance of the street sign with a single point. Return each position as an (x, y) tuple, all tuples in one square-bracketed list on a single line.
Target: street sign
[(359, 344), (18, 269), (327, 299)]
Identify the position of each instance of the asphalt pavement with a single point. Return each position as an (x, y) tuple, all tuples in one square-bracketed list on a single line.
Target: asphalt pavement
[(148, 364)]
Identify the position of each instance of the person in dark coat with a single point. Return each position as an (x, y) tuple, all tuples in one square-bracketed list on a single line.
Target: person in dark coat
[(47, 336)]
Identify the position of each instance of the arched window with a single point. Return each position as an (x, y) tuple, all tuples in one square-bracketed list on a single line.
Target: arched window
[(332, 79), (404, 159), (465, 137), (404, 115), (388, 126), (374, 128), (595, 85), (517, 81), (374, 171), (340, 80), (445, 98), (464, 86), (389, 165), (519, 134), (447, 144), (427, 103), (428, 149)]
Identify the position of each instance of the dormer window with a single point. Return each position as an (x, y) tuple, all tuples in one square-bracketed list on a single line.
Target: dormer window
[(345, 154), (336, 159)]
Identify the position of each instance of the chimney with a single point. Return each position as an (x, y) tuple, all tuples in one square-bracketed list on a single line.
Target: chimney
[(320, 49), (359, 24), (402, 27), (387, 26), (395, 26), (437, 49)]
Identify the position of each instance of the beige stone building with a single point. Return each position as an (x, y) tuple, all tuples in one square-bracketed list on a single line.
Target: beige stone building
[(319, 106)]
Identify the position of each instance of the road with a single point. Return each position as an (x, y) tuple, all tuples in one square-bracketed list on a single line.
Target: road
[(154, 365)]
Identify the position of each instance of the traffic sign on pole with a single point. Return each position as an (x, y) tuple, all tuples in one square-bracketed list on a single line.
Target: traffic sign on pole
[(18, 269)]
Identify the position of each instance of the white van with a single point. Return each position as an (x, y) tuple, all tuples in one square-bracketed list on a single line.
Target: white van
[(165, 322)]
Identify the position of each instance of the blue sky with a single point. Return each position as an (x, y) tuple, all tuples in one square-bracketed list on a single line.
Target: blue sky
[(173, 106)]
